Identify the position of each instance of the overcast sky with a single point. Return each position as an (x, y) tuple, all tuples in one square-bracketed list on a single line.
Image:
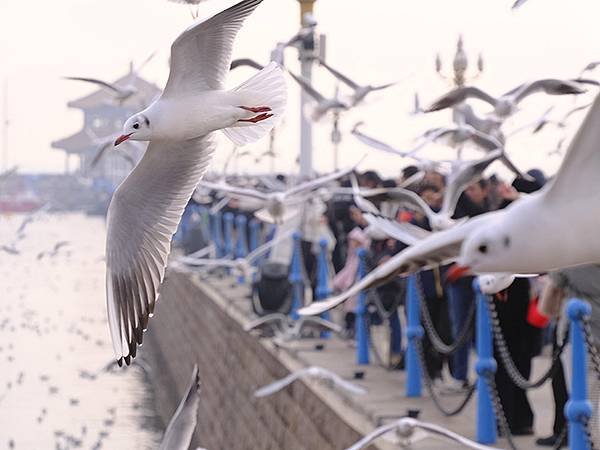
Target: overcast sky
[(374, 41)]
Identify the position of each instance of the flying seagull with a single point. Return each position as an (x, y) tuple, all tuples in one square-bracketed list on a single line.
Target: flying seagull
[(529, 236), (506, 104), (146, 208), (310, 372), (360, 92), (180, 430), (322, 105), (406, 426), (278, 206), (287, 329)]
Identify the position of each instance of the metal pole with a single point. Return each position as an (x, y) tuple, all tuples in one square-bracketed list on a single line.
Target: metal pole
[(485, 367), (306, 54), (414, 331), (578, 409), (228, 235), (241, 249), (296, 278), (323, 291), (362, 332)]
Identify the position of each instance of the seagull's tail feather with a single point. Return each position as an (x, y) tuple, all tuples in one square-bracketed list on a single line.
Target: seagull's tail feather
[(266, 88)]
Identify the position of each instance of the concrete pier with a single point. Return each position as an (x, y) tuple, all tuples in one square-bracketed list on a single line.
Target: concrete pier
[(202, 319)]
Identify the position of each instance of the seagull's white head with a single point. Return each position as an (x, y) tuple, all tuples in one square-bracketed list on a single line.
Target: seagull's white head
[(136, 128), (488, 249)]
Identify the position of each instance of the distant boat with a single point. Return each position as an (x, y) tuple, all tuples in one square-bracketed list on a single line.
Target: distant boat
[(22, 202)]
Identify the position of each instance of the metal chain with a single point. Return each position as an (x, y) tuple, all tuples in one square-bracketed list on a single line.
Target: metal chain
[(437, 342), (507, 361), (429, 385), (591, 347), (499, 410), (588, 432)]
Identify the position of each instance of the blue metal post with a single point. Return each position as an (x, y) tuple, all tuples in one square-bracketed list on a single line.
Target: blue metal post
[(485, 367), (204, 221), (414, 331), (241, 248), (296, 277), (217, 233), (228, 234), (578, 409), (362, 333), (323, 291), (254, 234)]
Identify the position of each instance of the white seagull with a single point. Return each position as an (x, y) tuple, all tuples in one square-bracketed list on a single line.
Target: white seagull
[(360, 92), (405, 427), (506, 104), (529, 236), (322, 105), (278, 207), (310, 372), (180, 430), (287, 329), (147, 207)]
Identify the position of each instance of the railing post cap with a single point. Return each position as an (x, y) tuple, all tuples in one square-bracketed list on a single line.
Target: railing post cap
[(323, 243), (577, 309), (241, 219), (575, 410), (476, 286), (228, 216), (361, 252), (296, 235)]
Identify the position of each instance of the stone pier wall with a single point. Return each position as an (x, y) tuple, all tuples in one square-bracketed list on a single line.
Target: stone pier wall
[(194, 324)]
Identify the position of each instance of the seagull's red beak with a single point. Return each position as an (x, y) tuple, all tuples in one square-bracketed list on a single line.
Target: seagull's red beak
[(455, 272), (122, 138)]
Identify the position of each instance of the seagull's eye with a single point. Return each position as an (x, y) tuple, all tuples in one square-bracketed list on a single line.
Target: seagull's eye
[(483, 249), (136, 126)]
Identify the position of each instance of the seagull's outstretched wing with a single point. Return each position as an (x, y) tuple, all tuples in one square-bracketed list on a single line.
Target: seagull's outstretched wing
[(317, 322), (363, 204), (317, 182), (269, 319), (339, 381), (234, 190), (581, 162), (376, 143), (344, 79), (306, 86), (111, 87), (261, 250), (404, 232), (550, 86), (280, 384), (183, 423), (142, 218), (201, 55), (439, 247), (459, 95), (467, 173), (241, 62)]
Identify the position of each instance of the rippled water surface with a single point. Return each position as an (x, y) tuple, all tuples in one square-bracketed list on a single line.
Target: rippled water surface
[(54, 338)]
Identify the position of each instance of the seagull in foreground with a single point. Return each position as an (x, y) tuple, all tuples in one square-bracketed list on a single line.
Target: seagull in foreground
[(323, 105), (529, 236), (287, 329), (506, 105), (278, 206), (146, 208), (310, 372), (180, 430), (360, 92), (405, 428)]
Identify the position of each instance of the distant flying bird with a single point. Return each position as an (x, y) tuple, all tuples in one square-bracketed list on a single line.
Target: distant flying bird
[(52, 253), (518, 4), (180, 430), (146, 208), (360, 92), (375, 143), (591, 66), (506, 104), (107, 143), (322, 105), (405, 428), (310, 372), (526, 237), (288, 329), (121, 94), (278, 206)]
